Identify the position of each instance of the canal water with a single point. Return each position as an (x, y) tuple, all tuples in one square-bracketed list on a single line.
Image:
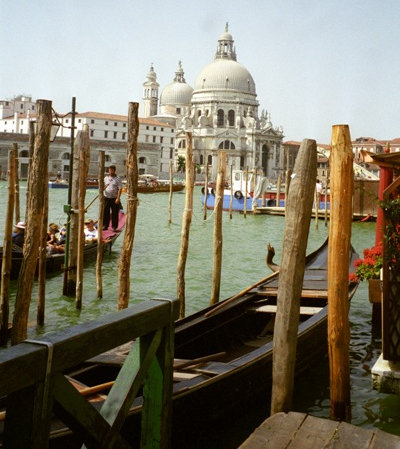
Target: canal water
[(153, 274)]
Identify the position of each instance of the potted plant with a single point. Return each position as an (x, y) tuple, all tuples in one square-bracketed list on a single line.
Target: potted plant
[(368, 269)]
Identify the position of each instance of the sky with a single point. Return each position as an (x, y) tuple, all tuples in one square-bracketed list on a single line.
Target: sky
[(315, 63)]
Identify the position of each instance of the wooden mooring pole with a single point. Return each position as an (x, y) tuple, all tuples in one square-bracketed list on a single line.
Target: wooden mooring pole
[(246, 191), (17, 202), (124, 264), (7, 251), (100, 244), (205, 194), (342, 180), (297, 225), (171, 189), (231, 194), (36, 190), (42, 260), (186, 221), (217, 247), (278, 190), (83, 143)]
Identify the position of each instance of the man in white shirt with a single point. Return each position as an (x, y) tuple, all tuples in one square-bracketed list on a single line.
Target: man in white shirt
[(112, 193)]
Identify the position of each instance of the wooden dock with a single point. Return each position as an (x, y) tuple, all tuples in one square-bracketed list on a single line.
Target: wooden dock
[(300, 431)]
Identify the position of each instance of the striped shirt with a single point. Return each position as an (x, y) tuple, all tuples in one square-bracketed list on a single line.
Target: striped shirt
[(112, 185)]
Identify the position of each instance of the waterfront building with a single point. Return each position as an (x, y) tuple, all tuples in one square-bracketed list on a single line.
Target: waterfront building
[(222, 112), (108, 132)]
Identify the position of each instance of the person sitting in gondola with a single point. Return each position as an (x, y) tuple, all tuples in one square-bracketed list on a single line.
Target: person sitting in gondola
[(90, 231), (19, 234), (53, 246)]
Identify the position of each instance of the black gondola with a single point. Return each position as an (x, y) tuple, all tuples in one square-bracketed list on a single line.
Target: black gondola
[(234, 339)]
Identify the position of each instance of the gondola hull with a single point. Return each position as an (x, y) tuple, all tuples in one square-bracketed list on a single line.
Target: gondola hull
[(236, 335)]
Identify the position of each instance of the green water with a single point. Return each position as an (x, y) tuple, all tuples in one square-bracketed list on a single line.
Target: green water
[(153, 274)]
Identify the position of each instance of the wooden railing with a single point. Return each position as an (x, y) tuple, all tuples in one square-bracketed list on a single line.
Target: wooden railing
[(35, 388)]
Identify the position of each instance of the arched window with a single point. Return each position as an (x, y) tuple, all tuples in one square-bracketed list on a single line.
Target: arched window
[(226, 145), (107, 158), (220, 117), (209, 159), (24, 153), (201, 159), (142, 160), (182, 144), (65, 156), (231, 117)]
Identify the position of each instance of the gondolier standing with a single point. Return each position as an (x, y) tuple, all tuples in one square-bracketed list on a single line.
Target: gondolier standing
[(112, 193)]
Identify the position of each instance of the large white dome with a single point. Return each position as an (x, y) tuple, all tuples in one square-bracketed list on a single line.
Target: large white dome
[(225, 74)]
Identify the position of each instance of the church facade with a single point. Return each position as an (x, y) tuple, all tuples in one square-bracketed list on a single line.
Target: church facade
[(221, 111)]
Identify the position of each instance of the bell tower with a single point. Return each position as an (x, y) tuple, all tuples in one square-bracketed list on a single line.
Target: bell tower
[(150, 93)]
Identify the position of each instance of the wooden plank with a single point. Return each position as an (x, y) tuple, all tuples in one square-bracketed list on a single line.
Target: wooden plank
[(179, 376), (271, 291), (270, 308), (276, 432), (350, 437), (383, 440), (314, 433)]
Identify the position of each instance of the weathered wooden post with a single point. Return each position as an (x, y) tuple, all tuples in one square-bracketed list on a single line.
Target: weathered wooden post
[(100, 244), (316, 201), (70, 275), (42, 260), (205, 194), (124, 263), (342, 181), (17, 203), (7, 251), (246, 191), (326, 203), (83, 143), (231, 194), (287, 186), (297, 225), (36, 189), (171, 189), (278, 190), (217, 247), (186, 221), (31, 150)]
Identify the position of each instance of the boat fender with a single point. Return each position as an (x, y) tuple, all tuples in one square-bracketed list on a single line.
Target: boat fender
[(238, 195), (212, 191), (202, 190), (271, 203)]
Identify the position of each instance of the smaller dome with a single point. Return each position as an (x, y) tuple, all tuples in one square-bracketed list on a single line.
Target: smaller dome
[(226, 37), (176, 93)]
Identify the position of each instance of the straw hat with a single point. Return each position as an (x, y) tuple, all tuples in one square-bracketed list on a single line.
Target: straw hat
[(20, 225)]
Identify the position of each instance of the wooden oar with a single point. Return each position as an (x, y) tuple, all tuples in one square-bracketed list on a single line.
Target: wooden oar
[(93, 200), (206, 358), (243, 292)]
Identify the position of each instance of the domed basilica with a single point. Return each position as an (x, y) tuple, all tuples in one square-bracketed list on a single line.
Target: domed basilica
[(222, 112)]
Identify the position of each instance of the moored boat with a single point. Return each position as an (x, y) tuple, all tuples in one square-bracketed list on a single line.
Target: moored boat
[(151, 184), (55, 262), (61, 184), (223, 356)]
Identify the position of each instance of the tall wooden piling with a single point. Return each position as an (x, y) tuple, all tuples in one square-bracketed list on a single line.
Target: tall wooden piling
[(31, 150), (342, 180), (231, 194), (217, 236), (246, 191), (205, 194), (42, 260), (186, 221), (17, 201), (7, 252), (124, 263), (278, 190), (297, 225), (287, 186), (100, 244), (316, 201), (70, 275), (36, 189), (171, 189), (83, 143)]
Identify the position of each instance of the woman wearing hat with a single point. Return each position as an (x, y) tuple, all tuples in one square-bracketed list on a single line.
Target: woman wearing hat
[(19, 234)]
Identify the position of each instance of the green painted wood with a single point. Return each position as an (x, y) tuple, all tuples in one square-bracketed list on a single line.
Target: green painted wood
[(157, 394), (83, 418), (24, 364), (127, 384), (23, 372)]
